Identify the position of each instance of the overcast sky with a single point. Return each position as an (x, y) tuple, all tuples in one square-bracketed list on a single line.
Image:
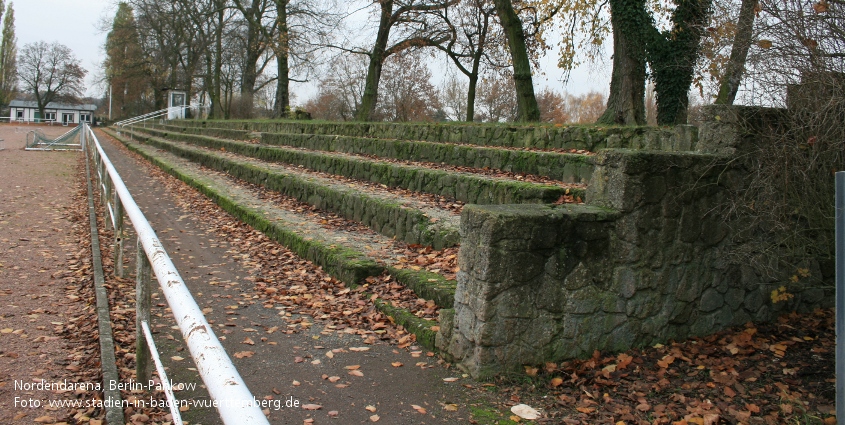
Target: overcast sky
[(70, 22), (74, 23)]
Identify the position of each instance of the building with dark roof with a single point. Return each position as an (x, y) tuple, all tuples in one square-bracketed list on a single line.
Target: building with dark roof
[(54, 112)]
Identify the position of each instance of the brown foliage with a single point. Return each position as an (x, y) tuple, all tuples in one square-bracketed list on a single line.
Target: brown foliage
[(406, 92)]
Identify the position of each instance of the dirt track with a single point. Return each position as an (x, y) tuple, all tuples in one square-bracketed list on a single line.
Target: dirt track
[(36, 246)]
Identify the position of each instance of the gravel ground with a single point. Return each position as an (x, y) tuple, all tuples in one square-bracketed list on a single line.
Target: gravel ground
[(38, 248)]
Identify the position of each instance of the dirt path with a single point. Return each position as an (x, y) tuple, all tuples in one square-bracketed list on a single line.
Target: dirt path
[(302, 358), (37, 248)]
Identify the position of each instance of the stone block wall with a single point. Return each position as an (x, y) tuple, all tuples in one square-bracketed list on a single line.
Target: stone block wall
[(646, 262), (590, 138)]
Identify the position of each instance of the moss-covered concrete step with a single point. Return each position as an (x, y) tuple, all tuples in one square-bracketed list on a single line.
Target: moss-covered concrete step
[(223, 133), (565, 167), (336, 251), (542, 136), (465, 187), (390, 214)]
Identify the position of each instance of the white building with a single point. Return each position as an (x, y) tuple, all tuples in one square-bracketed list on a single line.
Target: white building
[(27, 111)]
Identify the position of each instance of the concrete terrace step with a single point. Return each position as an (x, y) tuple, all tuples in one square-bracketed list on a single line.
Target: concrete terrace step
[(390, 214), (586, 137), (465, 187), (336, 250), (565, 167)]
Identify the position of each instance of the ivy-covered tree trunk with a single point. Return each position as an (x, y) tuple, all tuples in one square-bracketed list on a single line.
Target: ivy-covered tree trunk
[(672, 58), (625, 104), (525, 98), (739, 52), (377, 56)]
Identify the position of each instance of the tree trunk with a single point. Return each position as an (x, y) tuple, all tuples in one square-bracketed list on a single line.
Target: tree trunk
[(736, 64), (368, 100), (625, 104), (526, 100), (673, 56), (473, 83), (215, 92), (282, 49)]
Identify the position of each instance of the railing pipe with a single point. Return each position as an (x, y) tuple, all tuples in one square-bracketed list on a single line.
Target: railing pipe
[(234, 401)]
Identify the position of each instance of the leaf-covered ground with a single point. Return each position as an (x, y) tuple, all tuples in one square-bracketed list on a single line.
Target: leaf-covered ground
[(768, 373)]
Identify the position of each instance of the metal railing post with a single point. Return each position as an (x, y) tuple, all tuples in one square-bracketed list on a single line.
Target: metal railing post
[(107, 195), (143, 301), (118, 236), (102, 182), (840, 298)]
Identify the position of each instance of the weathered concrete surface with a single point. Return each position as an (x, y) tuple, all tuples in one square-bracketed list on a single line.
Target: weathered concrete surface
[(647, 262)]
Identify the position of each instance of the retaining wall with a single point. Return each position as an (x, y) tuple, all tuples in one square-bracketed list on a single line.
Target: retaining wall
[(648, 259)]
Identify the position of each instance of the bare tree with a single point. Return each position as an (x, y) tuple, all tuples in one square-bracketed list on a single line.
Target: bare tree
[(340, 92), (255, 14), (552, 106), (402, 24), (739, 53), (498, 99), (523, 83), (453, 96), (50, 72), (408, 93), (469, 24)]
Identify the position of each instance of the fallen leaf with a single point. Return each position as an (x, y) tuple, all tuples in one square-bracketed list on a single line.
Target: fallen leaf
[(177, 358), (418, 408), (450, 379), (311, 406), (525, 411), (242, 354), (371, 408), (396, 364), (374, 418), (666, 361)]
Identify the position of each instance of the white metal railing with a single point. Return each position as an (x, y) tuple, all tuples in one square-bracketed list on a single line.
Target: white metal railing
[(154, 115), (29, 120), (232, 398)]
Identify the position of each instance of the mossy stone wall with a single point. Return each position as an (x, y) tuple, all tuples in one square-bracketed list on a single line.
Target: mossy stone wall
[(646, 262), (585, 137)]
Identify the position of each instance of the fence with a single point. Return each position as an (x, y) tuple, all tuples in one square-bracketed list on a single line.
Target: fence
[(157, 114), (234, 402), (36, 140)]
